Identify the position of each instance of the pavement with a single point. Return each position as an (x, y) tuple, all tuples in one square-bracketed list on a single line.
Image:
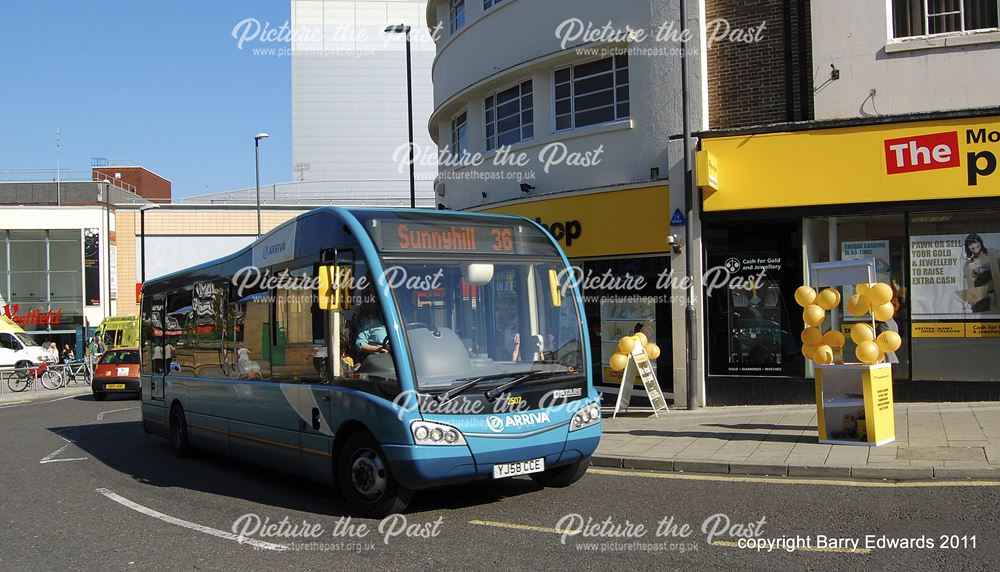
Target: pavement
[(36, 391), (933, 441)]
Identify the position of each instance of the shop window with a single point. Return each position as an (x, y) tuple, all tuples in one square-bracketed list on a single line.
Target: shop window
[(753, 321), (954, 276), (881, 238), (621, 309), (64, 255)]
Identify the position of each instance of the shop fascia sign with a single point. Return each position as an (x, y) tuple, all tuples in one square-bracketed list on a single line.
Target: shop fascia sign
[(33, 317), (941, 151)]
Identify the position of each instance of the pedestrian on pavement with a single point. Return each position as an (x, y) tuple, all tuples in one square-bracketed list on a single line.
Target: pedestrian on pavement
[(53, 352)]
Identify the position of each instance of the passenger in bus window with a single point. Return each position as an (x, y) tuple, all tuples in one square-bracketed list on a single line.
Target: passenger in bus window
[(246, 367), (157, 357)]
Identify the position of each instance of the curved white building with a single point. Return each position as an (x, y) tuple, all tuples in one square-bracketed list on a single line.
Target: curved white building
[(564, 112)]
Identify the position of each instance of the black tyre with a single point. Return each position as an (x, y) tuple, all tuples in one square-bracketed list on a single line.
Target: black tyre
[(19, 380), (366, 481), (562, 476), (51, 380), (179, 432), (100, 395)]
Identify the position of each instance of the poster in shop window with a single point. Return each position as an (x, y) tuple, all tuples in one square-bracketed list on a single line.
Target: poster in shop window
[(955, 277), (866, 250)]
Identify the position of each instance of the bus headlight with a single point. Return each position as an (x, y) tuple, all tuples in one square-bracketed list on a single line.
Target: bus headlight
[(430, 433), (586, 416)]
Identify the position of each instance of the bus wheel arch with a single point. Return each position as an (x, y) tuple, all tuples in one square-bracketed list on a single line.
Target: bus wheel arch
[(363, 474)]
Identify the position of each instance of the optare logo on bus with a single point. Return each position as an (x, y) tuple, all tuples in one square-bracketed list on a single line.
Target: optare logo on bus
[(497, 424)]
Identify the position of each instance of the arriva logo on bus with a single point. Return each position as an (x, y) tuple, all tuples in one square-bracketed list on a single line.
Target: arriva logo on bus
[(497, 424)]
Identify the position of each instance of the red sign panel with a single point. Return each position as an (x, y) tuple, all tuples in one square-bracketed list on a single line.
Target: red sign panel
[(921, 153)]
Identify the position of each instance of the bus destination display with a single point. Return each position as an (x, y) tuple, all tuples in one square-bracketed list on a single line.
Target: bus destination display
[(408, 237)]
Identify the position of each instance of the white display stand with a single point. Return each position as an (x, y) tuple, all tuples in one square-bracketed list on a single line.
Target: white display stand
[(640, 365)]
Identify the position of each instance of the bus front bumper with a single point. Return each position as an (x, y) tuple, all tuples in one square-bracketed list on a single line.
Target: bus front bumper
[(422, 467)]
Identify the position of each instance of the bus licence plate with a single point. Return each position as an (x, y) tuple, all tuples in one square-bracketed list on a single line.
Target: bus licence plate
[(505, 470), (114, 386)]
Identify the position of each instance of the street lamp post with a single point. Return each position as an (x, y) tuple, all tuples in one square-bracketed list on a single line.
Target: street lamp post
[(256, 152), (142, 238), (404, 29)]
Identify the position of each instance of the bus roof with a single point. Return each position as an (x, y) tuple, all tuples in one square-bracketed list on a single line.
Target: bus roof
[(280, 243)]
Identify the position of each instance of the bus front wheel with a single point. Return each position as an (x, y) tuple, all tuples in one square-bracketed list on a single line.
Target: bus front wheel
[(366, 480), (562, 476)]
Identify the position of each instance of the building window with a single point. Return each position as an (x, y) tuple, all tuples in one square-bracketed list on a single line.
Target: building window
[(457, 15), (591, 93), (459, 134), (923, 17), (487, 4), (510, 116)]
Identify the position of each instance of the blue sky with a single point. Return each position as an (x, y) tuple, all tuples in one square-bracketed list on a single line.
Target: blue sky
[(160, 83)]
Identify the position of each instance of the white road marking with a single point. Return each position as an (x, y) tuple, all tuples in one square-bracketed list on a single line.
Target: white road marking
[(100, 416), (49, 458), (191, 525)]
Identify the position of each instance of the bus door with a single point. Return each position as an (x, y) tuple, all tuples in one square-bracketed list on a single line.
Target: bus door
[(157, 321)]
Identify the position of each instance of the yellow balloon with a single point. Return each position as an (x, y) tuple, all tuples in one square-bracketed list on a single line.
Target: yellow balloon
[(808, 350), (813, 315), (626, 345), (880, 293), (834, 339), (641, 338), (653, 351), (805, 296), (862, 288), (889, 341), (861, 333), (867, 352), (857, 305), (618, 362), (823, 355), (827, 299), (884, 312), (811, 336)]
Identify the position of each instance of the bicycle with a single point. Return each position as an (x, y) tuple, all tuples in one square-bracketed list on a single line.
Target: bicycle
[(78, 371), (23, 378)]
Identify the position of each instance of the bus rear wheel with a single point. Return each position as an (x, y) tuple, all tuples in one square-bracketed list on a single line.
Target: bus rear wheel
[(562, 476), (179, 432), (366, 481)]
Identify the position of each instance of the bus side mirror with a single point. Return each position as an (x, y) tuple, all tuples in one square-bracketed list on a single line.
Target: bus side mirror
[(554, 288), (334, 287)]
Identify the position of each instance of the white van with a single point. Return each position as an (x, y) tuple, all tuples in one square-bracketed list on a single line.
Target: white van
[(17, 348)]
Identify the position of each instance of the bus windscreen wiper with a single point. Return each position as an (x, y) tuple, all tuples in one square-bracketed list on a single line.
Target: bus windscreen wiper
[(473, 381), (533, 376)]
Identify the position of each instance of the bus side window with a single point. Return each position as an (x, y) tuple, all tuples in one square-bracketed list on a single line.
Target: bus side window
[(248, 338), (297, 353)]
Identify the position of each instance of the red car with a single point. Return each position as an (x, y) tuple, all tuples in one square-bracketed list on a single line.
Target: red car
[(117, 372)]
